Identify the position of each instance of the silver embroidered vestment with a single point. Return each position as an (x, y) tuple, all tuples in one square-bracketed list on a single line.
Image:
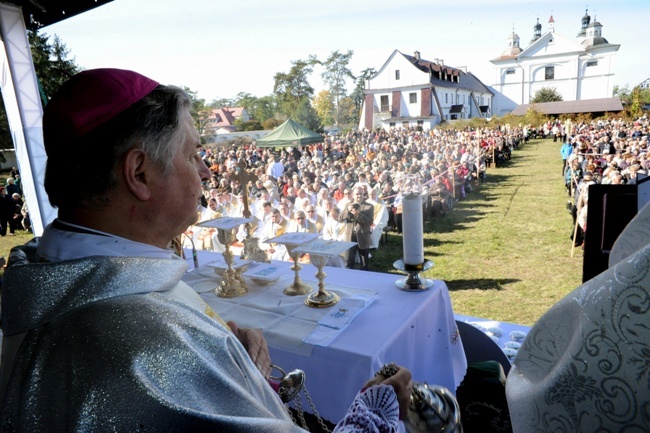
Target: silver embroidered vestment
[(103, 350)]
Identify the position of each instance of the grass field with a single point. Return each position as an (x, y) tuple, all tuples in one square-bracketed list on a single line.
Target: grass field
[(504, 251)]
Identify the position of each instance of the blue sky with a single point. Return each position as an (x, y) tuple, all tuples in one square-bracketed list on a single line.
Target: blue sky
[(219, 48)]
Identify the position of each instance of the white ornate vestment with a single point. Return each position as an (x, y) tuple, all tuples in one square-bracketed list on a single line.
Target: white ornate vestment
[(584, 366)]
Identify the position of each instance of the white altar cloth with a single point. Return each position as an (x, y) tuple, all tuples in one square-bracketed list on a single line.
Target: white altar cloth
[(414, 329)]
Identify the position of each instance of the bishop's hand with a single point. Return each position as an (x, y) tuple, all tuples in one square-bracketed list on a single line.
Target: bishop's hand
[(255, 344)]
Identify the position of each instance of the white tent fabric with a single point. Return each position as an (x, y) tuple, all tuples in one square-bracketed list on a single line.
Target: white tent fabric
[(24, 113)]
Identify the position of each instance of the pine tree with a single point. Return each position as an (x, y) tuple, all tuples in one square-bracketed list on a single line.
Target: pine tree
[(546, 94), (53, 68)]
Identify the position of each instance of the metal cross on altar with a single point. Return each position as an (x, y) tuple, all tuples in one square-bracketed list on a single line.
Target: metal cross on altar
[(244, 177), (252, 249)]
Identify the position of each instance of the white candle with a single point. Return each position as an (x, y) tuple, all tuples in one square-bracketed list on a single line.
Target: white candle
[(412, 229)]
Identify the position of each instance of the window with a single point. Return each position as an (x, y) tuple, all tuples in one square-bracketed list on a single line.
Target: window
[(413, 98), (592, 63), (397, 74), (420, 124), (510, 71), (384, 103), (549, 73), (454, 117), (391, 124), (405, 124), (446, 98)]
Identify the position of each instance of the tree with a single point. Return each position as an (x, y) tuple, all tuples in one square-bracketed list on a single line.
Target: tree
[(622, 92), (259, 109), (291, 88), (307, 116), (546, 94), (266, 109), (51, 63), (251, 125), (348, 111), (221, 103), (357, 95), (627, 96), (324, 107), (271, 123), (635, 106), (199, 111), (245, 100), (53, 68), (335, 74)]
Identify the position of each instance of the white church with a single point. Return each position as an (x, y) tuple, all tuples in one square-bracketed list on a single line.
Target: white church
[(580, 68)]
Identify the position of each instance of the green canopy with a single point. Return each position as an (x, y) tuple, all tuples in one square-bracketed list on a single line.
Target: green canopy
[(290, 133)]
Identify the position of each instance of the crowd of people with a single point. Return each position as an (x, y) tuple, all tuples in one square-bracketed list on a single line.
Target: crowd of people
[(314, 188), (13, 209), (608, 152), (100, 333)]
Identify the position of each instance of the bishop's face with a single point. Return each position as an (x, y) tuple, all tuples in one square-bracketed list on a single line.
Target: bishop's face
[(178, 195)]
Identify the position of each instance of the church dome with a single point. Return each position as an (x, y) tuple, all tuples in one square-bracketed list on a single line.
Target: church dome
[(594, 35), (595, 40), (511, 52), (513, 49)]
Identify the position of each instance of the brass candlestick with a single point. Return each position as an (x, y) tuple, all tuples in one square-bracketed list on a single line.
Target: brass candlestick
[(322, 298)]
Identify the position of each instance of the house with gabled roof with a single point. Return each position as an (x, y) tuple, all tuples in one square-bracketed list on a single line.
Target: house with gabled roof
[(223, 120), (409, 91), (645, 84), (580, 68)]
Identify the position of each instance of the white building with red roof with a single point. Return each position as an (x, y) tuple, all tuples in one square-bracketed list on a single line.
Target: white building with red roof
[(409, 91)]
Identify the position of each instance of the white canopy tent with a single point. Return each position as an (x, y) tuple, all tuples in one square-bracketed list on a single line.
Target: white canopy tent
[(24, 113), (19, 86)]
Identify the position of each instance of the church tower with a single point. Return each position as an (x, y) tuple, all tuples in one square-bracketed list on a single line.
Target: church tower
[(586, 19), (537, 31), (594, 35), (579, 68), (513, 49)]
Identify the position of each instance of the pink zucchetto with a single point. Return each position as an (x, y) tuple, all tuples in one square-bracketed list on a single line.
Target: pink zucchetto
[(90, 99)]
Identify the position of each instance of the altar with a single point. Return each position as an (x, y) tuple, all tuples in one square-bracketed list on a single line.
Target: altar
[(385, 324)]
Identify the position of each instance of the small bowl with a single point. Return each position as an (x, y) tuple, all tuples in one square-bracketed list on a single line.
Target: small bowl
[(263, 281)]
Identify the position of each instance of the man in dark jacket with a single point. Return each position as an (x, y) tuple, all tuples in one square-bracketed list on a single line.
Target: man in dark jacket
[(7, 210), (358, 216)]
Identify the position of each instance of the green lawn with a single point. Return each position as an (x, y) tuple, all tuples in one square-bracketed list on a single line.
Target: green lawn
[(504, 251)]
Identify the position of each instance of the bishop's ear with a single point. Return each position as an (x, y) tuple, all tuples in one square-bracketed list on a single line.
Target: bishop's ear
[(137, 174)]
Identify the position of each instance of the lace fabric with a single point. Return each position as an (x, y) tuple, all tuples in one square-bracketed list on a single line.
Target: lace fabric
[(374, 410)]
